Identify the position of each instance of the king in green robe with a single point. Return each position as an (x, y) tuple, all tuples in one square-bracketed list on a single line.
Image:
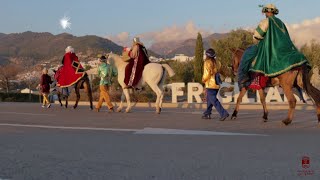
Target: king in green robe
[(273, 52), (276, 53)]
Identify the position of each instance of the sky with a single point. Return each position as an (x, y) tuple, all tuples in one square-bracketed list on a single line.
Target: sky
[(154, 20)]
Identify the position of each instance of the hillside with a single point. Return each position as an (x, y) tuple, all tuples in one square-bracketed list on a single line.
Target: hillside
[(31, 48), (2, 34), (169, 49)]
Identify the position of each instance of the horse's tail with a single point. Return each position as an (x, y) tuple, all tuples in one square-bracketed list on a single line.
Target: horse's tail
[(168, 69), (163, 77), (313, 92)]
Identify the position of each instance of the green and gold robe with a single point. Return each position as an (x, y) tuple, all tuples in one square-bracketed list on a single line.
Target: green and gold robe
[(276, 53)]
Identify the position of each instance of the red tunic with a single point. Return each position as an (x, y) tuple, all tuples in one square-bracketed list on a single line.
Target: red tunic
[(259, 81), (134, 69), (45, 83), (71, 72)]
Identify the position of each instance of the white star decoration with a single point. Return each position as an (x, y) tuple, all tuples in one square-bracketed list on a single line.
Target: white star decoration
[(65, 22)]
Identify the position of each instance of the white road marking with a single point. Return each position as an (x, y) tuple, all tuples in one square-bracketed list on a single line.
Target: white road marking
[(66, 127), (190, 132), (145, 131), (190, 112), (31, 114)]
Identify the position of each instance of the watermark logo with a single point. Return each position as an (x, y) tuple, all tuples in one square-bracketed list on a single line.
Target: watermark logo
[(305, 162), (306, 167)]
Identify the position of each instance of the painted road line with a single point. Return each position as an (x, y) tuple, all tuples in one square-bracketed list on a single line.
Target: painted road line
[(160, 131), (66, 127), (30, 114), (179, 112), (145, 131)]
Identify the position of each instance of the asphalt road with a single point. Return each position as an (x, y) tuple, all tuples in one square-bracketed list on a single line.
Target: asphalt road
[(59, 143)]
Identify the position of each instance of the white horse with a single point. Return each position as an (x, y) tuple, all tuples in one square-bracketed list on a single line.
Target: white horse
[(153, 75)]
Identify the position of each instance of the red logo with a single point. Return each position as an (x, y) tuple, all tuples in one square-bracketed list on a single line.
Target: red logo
[(305, 162)]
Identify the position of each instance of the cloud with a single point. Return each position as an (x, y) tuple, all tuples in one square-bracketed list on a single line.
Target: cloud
[(304, 32), (121, 38), (175, 33), (167, 34), (301, 33)]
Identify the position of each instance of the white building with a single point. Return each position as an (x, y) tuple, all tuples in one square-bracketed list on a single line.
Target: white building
[(93, 64), (27, 91), (182, 58), (154, 59)]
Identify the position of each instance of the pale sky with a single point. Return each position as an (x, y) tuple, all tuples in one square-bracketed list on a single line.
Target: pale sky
[(120, 20)]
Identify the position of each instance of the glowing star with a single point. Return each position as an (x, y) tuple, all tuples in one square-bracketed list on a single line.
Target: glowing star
[(65, 22)]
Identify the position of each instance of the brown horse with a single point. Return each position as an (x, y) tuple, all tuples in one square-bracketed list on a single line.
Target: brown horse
[(297, 76), (83, 83)]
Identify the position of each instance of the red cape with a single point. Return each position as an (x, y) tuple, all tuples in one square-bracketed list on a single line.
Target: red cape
[(71, 72)]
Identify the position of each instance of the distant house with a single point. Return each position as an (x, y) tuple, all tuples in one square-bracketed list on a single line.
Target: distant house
[(154, 59), (27, 91), (94, 63), (182, 58)]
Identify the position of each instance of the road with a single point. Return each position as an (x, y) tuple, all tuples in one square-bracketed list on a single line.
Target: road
[(60, 143)]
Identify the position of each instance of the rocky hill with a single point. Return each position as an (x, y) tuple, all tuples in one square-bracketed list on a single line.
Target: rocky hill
[(31, 48)]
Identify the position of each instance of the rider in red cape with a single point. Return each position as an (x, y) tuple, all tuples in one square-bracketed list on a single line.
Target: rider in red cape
[(139, 58), (71, 71)]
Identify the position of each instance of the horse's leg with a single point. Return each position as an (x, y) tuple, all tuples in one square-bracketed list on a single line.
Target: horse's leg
[(59, 98), (236, 110), (77, 90), (127, 95), (287, 89), (161, 100), (264, 105), (119, 109), (87, 89), (292, 103), (66, 101), (159, 93), (286, 81)]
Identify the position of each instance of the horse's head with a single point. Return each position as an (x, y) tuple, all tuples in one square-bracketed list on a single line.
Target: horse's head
[(115, 60), (236, 58), (110, 58)]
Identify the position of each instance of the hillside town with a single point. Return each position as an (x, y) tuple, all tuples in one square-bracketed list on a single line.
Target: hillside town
[(91, 70)]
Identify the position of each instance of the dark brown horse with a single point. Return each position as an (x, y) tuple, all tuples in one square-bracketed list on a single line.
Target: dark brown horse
[(83, 83), (297, 76)]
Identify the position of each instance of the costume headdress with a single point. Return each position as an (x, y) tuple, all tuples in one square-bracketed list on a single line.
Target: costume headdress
[(270, 8)]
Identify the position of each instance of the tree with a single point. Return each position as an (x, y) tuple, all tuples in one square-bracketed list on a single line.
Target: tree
[(198, 60), (236, 39), (7, 74), (183, 71), (312, 53)]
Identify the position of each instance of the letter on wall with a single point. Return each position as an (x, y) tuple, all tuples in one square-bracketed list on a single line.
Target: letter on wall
[(194, 89), (177, 91)]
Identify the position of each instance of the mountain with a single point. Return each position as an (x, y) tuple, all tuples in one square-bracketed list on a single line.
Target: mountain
[(1, 35), (169, 49), (31, 48)]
